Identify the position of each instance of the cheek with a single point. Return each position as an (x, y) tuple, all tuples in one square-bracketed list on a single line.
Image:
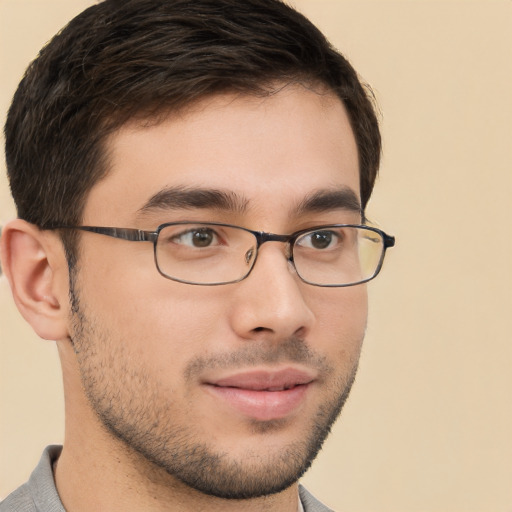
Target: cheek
[(161, 322), (341, 316)]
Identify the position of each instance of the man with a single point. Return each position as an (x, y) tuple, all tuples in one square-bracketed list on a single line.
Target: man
[(191, 180)]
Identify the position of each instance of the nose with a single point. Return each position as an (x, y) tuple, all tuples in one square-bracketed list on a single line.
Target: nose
[(270, 303)]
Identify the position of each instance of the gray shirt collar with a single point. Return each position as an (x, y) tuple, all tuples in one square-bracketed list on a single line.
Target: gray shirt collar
[(39, 494)]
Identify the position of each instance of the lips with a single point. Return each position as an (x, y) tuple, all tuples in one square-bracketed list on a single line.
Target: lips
[(265, 380), (263, 395)]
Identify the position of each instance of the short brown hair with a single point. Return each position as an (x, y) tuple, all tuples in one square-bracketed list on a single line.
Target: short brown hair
[(124, 59)]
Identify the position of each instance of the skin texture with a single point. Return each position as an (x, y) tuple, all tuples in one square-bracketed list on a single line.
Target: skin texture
[(145, 427)]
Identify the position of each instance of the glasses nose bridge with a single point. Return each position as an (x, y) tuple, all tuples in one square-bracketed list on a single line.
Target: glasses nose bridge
[(263, 237)]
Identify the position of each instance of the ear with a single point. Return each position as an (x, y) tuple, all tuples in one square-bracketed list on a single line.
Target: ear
[(35, 266)]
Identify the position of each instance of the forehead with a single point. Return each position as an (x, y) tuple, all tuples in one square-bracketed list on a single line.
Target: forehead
[(270, 152)]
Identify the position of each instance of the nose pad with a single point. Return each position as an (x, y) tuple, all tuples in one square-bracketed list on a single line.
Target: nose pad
[(288, 252), (291, 266), (249, 256)]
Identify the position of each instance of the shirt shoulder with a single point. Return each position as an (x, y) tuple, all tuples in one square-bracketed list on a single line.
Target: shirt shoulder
[(18, 501), (39, 494)]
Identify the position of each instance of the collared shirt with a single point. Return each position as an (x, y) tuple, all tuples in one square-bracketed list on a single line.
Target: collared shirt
[(39, 494)]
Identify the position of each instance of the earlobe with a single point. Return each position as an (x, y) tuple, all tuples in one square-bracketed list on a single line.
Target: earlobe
[(36, 269)]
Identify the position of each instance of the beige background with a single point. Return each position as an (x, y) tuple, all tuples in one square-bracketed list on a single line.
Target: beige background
[(429, 424)]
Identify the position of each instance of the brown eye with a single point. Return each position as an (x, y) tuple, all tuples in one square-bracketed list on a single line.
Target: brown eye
[(319, 240), (202, 237), (199, 237)]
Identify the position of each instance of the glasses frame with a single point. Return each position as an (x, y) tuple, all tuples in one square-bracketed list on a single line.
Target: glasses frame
[(139, 235)]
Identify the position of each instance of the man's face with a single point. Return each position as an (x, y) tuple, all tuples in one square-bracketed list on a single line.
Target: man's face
[(232, 388)]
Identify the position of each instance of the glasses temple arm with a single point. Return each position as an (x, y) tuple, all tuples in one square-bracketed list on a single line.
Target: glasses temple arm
[(130, 234)]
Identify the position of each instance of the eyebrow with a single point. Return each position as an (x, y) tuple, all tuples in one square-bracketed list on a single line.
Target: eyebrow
[(328, 199), (181, 197), (175, 198)]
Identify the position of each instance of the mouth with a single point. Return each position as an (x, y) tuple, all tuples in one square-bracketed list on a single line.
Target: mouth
[(263, 395)]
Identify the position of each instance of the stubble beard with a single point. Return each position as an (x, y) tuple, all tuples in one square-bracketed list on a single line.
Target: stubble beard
[(132, 409)]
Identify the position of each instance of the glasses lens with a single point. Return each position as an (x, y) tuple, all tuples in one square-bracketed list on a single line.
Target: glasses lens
[(205, 253), (338, 256)]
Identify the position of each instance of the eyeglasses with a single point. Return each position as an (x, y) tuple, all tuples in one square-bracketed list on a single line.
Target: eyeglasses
[(211, 253)]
